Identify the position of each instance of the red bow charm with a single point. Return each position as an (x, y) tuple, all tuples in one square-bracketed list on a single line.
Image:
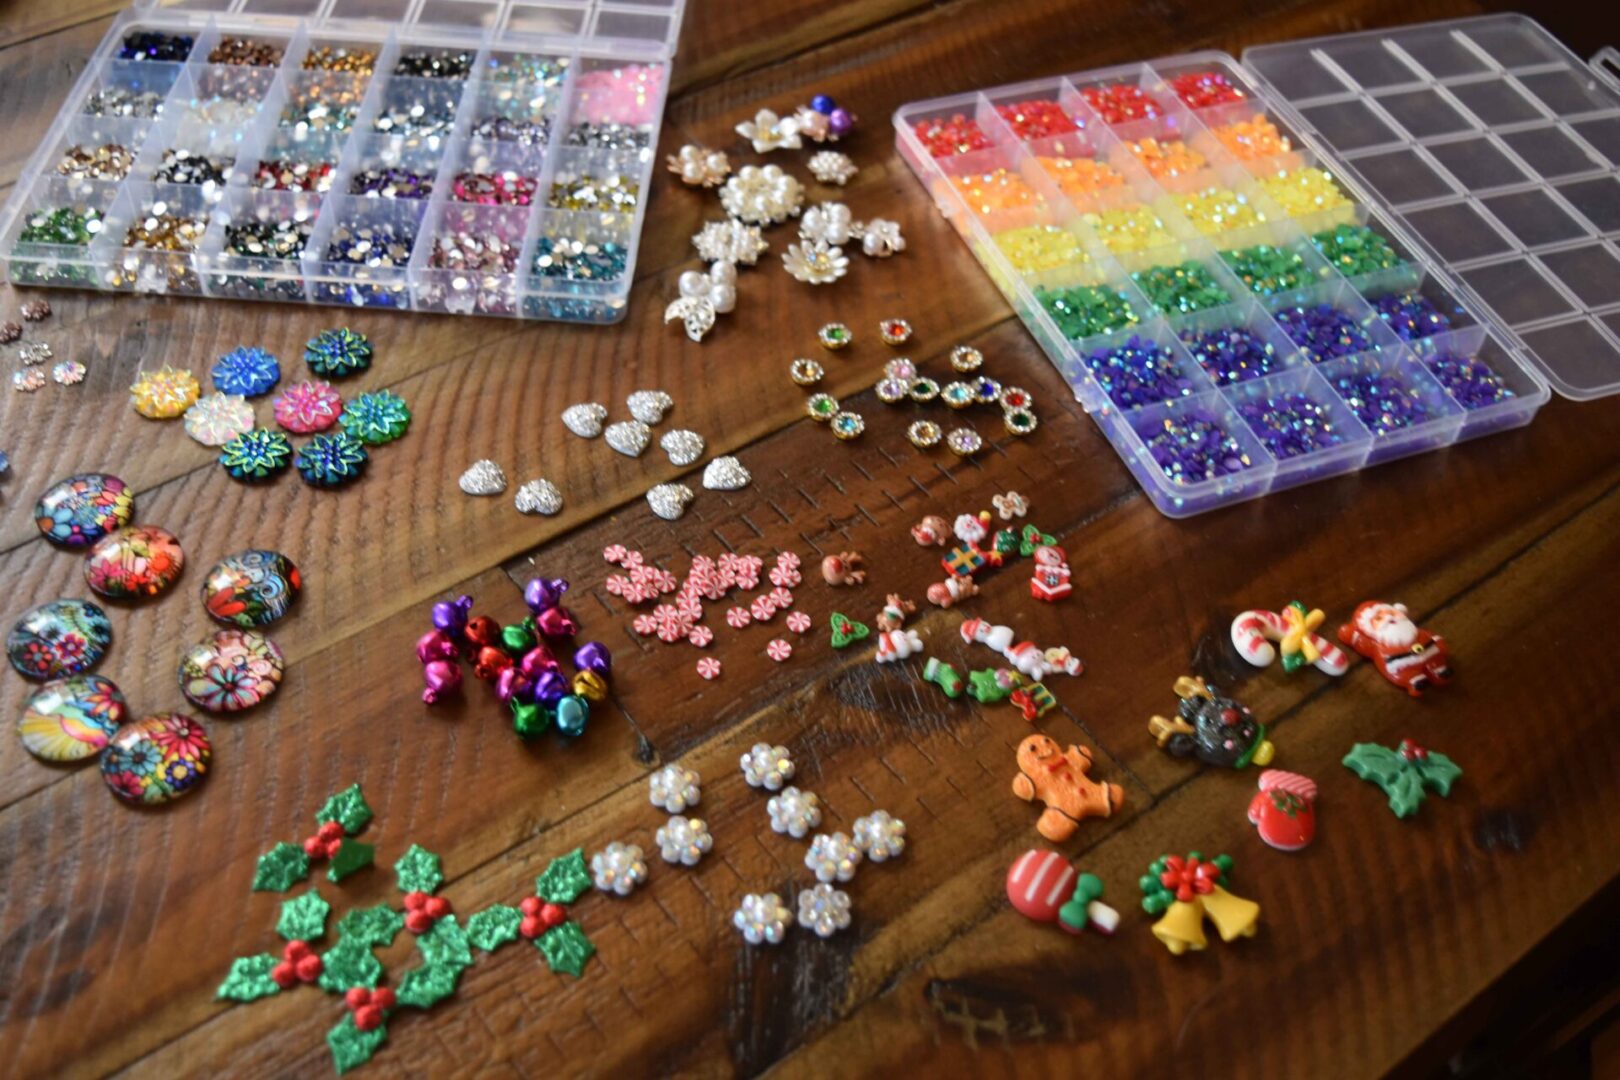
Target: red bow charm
[(1189, 877)]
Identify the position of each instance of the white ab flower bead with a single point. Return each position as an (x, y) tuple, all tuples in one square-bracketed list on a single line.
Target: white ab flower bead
[(767, 766), (832, 857), (618, 868), (794, 812), (684, 840), (824, 910), (880, 835), (762, 919), (673, 788)]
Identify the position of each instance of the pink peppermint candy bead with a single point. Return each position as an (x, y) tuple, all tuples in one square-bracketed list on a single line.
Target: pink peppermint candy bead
[(615, 553), (644, 625), (778, 650), (787, 560), (785, 576), (700, 636), (798, 622), (782, 597), (737, 618), (616, 584), (762, 609), (709, 667)]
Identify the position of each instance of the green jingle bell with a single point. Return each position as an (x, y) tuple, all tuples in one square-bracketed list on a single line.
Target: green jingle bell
[(518, 638), (573, 712), (529, 718)]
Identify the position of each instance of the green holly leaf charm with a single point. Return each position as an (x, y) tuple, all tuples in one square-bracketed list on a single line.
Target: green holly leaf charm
[(1438, 772), (348, 808), (349, 964), (846, 631), (373, 926), (249, 979), (426, 986), (303, 918), (351, 1046), (1033, 538), (494, 926), (280, 868), (1404, 778), (445, 944), (566, 948), (418, 870), (351, 855), (564, 880)]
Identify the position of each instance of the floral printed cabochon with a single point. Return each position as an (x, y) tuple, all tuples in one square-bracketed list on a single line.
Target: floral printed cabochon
[(231, 671), (63, 637), (132, 563), (158, 759), (251, 588), (82, 509)]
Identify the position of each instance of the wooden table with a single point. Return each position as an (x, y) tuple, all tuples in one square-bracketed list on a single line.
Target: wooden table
[(1387, 944)]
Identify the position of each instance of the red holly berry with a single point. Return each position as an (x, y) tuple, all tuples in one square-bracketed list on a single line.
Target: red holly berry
[(326, 841), (310, 968), (553, 915), (418, 922), (369, 1006), (284, 975), (383, 997), (1411, 751), (437, 907), (356, 996), (531, 927)]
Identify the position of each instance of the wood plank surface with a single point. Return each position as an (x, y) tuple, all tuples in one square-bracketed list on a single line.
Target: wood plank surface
[(1383, 946)]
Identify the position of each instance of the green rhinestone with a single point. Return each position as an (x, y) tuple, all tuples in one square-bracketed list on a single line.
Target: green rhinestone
[(821, 407), (1087, 310), (376, 418), (256, 455), (1357, 249), (1183, 288), (924, 390)]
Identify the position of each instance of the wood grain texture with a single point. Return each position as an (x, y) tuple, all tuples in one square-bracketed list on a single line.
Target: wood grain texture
[(1385, 943)]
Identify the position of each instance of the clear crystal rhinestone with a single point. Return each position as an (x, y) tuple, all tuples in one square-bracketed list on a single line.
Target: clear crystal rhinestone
[(585, 420), (628, 437), (538, 497)]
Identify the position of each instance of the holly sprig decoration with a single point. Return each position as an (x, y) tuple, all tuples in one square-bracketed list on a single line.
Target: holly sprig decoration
[(1406, 773), (349, 967)]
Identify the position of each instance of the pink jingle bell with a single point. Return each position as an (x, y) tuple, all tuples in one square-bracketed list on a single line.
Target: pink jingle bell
[(512, 683), (490, 662), (537, 661), (556, 622), (435, 645), (443, 679)]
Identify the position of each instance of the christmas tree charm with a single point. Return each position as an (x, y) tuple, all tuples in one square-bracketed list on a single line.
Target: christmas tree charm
[(1213, 728), (1406, 654), (1293, 628), (1406, 773), (1284, 810), (1058, 778), (1184, 891)]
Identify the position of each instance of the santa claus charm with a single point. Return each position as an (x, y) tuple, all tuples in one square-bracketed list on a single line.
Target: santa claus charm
[(1050, 581), (1043, 886), (1406, 654), (1211, 727), (1284, 810)]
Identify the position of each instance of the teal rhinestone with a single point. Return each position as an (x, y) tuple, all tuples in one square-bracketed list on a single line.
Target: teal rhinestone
[(332, 460), (376, 418), (254, 455)]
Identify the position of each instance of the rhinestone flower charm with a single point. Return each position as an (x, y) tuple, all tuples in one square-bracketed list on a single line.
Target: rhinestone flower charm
[(824, 910), (331, 460), (762, 919), (27, 380), (881, 238), (70, 373), (163, 394), (832, 857), (768, 132), (307, 407), (618, 868), (730, 241), (880, 835), (247, 371), (684, 840), (767, 766), (218, 418), (829, 223), (794, 812), (815, 263), (332, 354), (256, 455), (703, 296), (762, 194), (699, 166), (376, 418), (832, 167), (674, 788)]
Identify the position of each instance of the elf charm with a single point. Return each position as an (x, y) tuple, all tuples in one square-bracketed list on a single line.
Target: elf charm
[(1211, 727), (1058, 778), (1050, 581), (1406, 654)]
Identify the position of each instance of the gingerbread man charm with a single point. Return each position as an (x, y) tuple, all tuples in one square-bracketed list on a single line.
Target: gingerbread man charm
[(1058, 778)]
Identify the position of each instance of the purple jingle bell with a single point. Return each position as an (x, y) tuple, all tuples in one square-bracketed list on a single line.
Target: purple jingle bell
[(823, 104), (840, 122), (435, 645), (537, 661), (451, 617), (593, 656), (549, 688), (556, 622), (543, 594), (443, 679), (511, 684)]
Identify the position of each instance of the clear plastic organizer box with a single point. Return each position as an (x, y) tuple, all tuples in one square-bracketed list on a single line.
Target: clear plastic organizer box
[(486, 157), (1152, 214)]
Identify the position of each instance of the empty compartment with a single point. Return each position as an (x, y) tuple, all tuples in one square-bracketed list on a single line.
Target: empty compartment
[(1580, 360), (1397, 400), (616, 105), (1481, 376), (518, 112), (1440, 52), (1370, 61), (1303, 424), (1349, 125), (470, 264), (1512, 41), (1516, 290), (255, 246), (1551, 153), (1423, 113), (1534, 218), (1139, 366), (1295, 71), (1458, 232), (361, 251), (1495, 101), (1602, 134), (1330, 322), (1236, 342), (150, 239), (1591, 272), (50, 240), (1191, 455), (1478, 164), (1597, 200)]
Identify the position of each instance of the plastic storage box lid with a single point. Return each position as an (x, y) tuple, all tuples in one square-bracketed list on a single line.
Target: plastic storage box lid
[(632, 29), (1499, 150)]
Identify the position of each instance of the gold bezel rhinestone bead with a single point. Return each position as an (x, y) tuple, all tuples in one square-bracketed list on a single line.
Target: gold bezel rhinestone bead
[(806, 372), (924, 434), (821, 407), (964, 442), (835, 336), (848, 425), (894, 331), (966, 358)]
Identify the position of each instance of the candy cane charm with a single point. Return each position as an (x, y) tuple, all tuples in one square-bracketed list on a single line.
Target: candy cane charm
[(1294, 629)]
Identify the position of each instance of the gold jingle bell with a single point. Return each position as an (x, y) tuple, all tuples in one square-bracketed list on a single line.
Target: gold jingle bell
[(590, 686)]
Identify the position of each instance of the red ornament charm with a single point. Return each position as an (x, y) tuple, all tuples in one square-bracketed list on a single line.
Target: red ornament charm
[(1043, 886), (1284, 810), (1406, 654)]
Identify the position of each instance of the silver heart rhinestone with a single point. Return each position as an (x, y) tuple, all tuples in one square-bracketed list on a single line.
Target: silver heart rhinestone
[(683, 447), (629, 437), (483, 478), (538, 497), (726, 474), (669, 501), (649, 406), (585, 420)]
